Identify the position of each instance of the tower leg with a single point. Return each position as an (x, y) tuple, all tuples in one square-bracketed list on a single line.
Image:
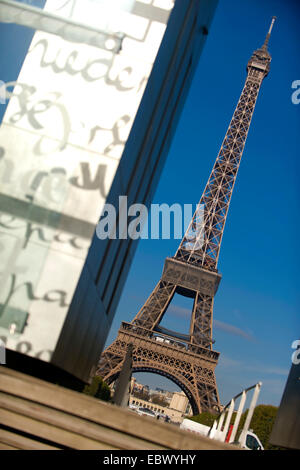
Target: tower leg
[(110, 362), (154, 308), (201, 325)]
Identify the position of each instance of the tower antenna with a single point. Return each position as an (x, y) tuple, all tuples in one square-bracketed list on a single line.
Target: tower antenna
[(265, 45)]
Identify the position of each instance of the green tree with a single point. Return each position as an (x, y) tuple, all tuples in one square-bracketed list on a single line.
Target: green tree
[(98, 389), (159, 400), (262, 423), (141, 394), (204, 418)]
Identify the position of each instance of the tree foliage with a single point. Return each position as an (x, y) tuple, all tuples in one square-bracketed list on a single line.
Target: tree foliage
[(159, 400), (261, 423), (98, 389), (204, 418), (141, 394)]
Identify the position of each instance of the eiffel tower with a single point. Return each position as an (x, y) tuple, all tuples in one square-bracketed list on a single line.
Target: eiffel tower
[(189, 360)]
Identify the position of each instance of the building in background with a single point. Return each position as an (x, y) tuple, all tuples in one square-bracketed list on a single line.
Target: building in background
[(90, 118), (180, 402), (168, 395), (173, 405)]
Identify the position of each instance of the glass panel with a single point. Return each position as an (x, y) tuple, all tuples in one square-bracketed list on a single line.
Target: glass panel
[(63, 133), (107, 15), (88, 21)]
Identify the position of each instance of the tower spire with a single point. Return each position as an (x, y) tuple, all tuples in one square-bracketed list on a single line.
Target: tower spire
[(201, 243), (265, 45)]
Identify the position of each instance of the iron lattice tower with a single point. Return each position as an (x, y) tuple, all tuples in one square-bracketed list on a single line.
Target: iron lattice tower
[(189, 360)]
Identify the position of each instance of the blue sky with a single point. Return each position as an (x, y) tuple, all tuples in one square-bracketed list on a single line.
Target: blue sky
[(256, 310)]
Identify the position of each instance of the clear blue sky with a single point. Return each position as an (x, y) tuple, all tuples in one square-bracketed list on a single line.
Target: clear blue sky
[(256, 309)]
